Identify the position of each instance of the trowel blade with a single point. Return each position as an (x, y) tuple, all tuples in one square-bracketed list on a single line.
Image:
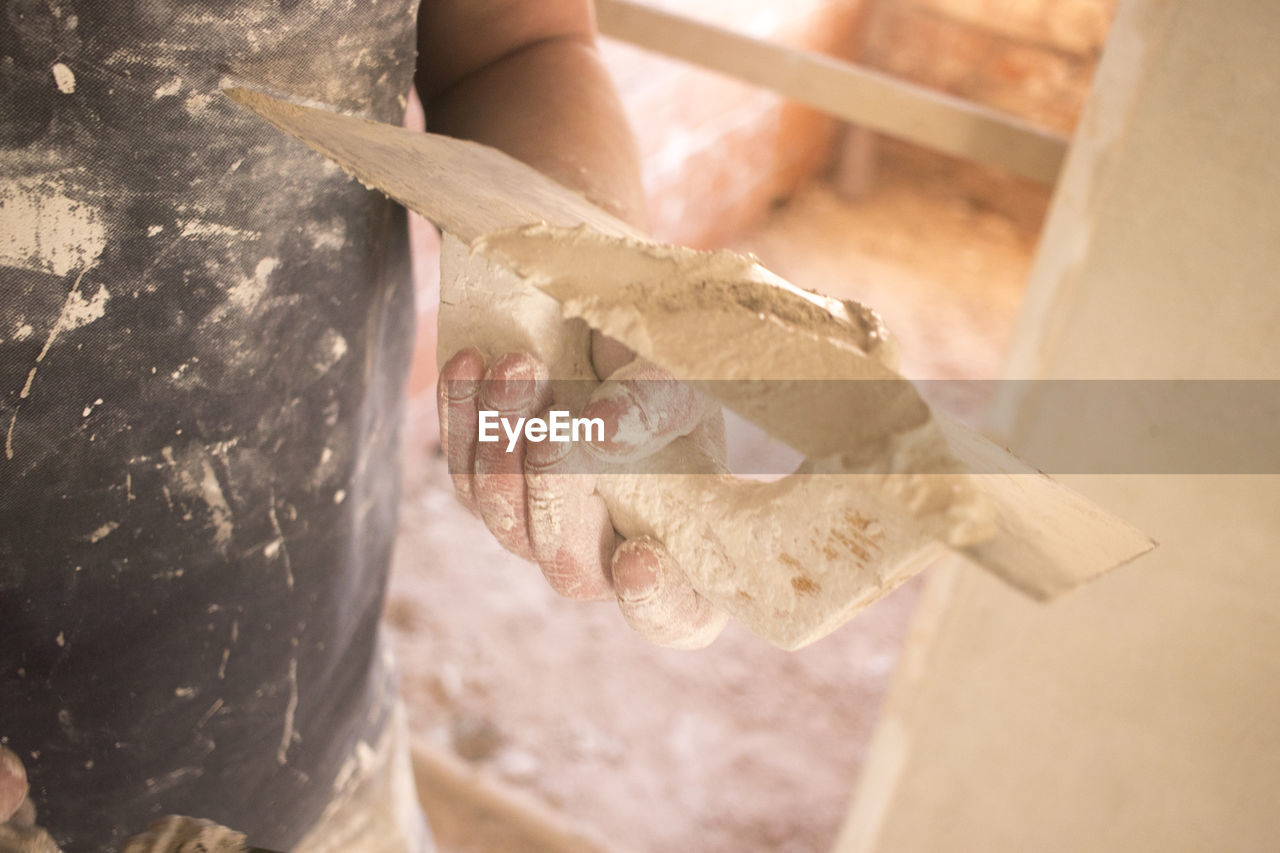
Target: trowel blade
[(464, 188)]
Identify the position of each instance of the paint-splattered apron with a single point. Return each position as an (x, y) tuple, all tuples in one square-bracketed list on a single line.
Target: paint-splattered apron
[(204, 332)]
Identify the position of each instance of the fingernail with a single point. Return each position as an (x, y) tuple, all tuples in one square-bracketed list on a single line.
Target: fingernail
[(513, 381), (625, 427), (636, 573)]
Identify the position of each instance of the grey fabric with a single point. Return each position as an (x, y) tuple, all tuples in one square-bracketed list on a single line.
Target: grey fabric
[(204, 333)]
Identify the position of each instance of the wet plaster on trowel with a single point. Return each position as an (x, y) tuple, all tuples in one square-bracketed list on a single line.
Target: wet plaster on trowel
[(837, 544), (893, 485)]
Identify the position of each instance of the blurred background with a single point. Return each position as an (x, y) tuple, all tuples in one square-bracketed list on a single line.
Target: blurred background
[(542, 724)]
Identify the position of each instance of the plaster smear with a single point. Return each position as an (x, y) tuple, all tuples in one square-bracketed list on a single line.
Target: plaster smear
[(78, 310), (250, 291), (219, 511), (64, 78), (43, 230), (169, 89), (191, 472)]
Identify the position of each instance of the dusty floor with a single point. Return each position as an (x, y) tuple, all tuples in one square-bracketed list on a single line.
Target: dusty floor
[(739, 747)]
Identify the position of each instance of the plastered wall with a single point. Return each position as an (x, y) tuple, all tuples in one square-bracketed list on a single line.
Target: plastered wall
[(1140, 713)]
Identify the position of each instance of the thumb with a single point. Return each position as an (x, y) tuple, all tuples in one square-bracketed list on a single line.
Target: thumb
[(643, 408), (657, 599)]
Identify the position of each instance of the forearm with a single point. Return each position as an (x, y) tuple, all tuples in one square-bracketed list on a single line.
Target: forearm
[(553, 105)]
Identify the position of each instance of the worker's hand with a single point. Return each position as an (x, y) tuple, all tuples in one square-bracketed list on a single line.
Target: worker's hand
[(538, 503), (13, 784), (18, 832), (178, 834)]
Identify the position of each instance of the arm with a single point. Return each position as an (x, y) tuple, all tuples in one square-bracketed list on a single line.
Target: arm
[(524, 77)]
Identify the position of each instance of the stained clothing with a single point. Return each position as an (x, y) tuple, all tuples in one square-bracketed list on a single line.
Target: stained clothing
[(204, 334)]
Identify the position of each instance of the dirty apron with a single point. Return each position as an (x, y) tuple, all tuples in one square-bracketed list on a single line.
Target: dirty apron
[(204, 336)]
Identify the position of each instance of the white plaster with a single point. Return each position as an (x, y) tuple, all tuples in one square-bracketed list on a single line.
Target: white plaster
[(104, 531), (64, 78), (43, 230), (173, 87)]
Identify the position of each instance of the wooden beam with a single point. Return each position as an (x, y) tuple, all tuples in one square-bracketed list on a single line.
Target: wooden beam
[(472, 810), (867, 98)]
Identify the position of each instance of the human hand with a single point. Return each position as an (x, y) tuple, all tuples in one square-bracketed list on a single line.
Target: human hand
[(537, 502), (178, 834), (13, 784), (18, 832)]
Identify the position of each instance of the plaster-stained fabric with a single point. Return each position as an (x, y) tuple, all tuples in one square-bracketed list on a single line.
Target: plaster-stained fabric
[(204, 332)]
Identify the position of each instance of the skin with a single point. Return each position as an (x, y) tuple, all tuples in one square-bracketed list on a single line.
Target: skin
[(13, 783), (18, 832), (527, 80)]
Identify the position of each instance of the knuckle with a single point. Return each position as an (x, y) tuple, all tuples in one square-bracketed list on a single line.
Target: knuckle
[(572, 577)]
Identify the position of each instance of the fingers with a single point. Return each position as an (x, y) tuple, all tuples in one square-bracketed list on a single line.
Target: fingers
[(175, 832), (26, 839), (458, 408), (643, 409), (515, 387), (538, 498), (569, 528), (657, 599), (13, 783)]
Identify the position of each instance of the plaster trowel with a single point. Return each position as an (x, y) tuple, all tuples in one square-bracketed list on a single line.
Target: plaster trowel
[(887, 485)]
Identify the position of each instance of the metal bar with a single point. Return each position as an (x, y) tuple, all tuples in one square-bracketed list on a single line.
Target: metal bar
[(866, 98)]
